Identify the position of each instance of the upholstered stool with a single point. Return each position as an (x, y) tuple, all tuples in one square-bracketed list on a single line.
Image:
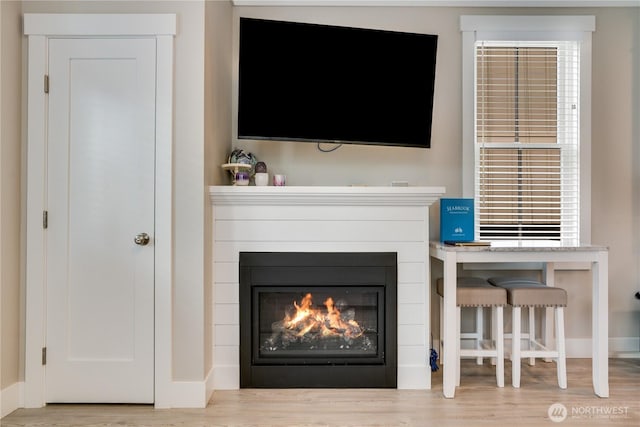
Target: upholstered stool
[(476, 292), (529, 293)]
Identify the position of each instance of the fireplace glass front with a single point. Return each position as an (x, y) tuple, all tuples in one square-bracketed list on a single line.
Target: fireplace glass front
[(318, 319)]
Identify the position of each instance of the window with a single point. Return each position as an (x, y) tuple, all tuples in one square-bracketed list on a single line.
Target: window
[(526, 143), (524, 134)]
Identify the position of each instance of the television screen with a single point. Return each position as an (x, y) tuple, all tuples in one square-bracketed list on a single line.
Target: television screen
[(321, 83)]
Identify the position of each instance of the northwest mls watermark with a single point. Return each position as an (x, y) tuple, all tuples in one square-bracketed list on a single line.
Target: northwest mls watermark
[(557, 412)]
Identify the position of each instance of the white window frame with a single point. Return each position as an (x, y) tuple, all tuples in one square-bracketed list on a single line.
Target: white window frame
[(528, 28)]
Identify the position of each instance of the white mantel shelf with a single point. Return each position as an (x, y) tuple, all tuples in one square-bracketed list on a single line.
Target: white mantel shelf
[(327, 196)]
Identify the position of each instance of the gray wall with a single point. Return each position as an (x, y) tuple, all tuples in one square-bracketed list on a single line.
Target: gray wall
[(615, 139), (10, 198), (217, 131)]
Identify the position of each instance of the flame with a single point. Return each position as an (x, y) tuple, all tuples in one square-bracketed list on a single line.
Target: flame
[(329, 323)]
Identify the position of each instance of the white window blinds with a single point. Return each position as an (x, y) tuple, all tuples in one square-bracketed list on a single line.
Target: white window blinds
[(527, 141)]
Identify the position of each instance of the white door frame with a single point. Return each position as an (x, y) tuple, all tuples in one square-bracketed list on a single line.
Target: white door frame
[(40, 28)]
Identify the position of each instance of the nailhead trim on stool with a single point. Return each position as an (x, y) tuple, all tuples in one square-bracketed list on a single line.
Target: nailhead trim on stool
[(530, 293), (477, 292)]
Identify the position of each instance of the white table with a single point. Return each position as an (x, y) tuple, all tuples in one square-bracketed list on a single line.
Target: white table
[(597, 256)]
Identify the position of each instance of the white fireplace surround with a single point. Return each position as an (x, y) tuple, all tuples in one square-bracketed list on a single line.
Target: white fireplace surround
[(324, 219)]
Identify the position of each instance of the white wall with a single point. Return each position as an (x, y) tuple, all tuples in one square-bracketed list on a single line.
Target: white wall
[(615, 188)]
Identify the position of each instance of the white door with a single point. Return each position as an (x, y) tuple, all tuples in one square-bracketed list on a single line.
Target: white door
[(100, 196)]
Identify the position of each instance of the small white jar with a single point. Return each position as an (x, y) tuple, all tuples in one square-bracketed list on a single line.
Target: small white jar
[(262, 179)]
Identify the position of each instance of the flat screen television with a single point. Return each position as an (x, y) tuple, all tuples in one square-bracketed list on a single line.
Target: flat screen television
[(323, 83)]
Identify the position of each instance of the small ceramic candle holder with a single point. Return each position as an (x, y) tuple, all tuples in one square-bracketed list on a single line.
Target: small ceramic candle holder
[(242, 178), (262, 179), (279, 180)]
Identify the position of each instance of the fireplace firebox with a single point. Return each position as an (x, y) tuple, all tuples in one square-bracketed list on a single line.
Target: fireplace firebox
[(318, 319)]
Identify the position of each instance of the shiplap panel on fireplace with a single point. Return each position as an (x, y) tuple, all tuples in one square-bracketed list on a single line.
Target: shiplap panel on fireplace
[(227, 251), (325, 219), (345, 230), (321, 213)]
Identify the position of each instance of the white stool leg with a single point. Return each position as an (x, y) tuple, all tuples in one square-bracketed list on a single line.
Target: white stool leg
[(562, 357), (479, 332), (532, 332), (458, 315), (515, 346), (494, 331), (499, 342), (547, 328)]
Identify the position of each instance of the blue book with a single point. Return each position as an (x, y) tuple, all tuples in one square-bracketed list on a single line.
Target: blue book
[(456, 220)]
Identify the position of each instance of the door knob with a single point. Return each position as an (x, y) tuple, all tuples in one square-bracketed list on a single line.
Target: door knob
[(141, 239)]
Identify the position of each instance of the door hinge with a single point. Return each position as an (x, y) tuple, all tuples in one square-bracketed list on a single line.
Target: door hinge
[(45, 219), (44, 356), (46, 83)]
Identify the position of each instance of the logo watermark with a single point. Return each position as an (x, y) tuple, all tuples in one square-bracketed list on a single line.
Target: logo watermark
[(558, 412)]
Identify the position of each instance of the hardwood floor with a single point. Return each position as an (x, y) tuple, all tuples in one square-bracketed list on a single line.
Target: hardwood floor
[(477, 402)]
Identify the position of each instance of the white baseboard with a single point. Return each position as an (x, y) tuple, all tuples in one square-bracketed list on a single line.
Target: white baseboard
[(11, 399), (185, 394), (226, 378), (628, 355), (414, 378), (618, 347), (627, 347), (580, 348), (209, 385)]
